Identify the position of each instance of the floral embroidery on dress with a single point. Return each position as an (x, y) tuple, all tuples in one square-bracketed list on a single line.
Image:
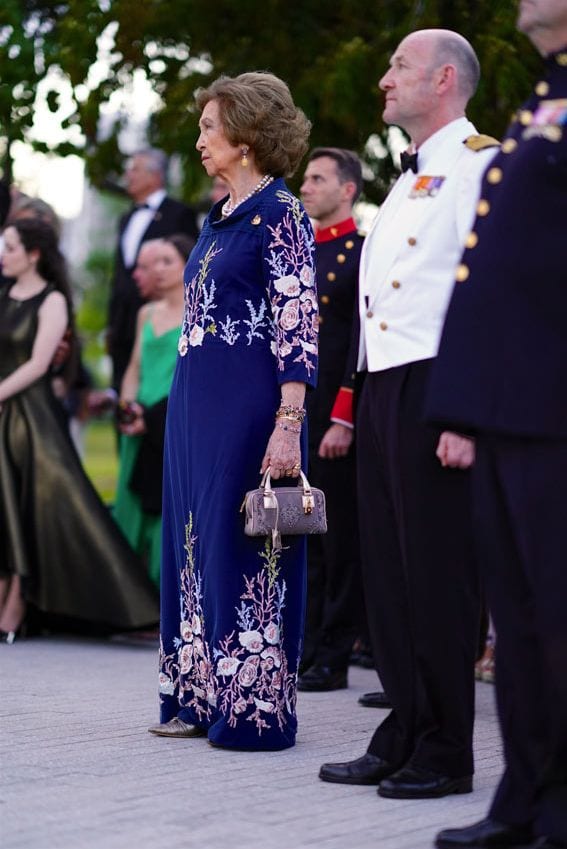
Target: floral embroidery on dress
[(189, 669), (286, 316), (256, 685), (259, 319), (199, 305), (292, 287), (248, 678)]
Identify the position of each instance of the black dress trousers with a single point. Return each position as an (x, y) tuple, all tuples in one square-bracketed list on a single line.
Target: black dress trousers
[(335, 605), (520, 512), (420, 576)]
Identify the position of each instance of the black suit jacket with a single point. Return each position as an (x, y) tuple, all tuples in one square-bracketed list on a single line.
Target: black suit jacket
[(171, 217)]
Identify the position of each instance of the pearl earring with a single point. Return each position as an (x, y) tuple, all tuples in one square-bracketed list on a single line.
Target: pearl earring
[(244, 160)]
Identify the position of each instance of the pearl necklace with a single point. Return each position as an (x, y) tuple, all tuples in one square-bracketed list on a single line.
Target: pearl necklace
[(228, 207)]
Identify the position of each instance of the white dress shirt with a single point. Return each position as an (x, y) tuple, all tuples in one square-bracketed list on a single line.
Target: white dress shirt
[(137, 225), (409, 258)]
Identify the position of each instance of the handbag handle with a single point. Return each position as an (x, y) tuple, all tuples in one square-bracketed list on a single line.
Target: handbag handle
[(266, 482), (270, 500)]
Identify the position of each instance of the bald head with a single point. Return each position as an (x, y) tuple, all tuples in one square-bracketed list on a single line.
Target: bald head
[(450, 48), (433, 74), (445, 47)]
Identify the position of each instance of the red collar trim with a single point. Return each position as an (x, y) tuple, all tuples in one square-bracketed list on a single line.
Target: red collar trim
[(327, 234)]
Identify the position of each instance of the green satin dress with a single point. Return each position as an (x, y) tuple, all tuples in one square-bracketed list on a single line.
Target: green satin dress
[(158, 355), (55, 532)]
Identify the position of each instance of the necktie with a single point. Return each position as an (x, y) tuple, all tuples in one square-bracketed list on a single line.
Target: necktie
[(408, 160)]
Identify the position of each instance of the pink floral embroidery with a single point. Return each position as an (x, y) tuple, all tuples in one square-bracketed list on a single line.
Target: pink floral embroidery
[(257, 685), (291, 275), (285, 317), (189, 670), (199, 305), (249, 679)]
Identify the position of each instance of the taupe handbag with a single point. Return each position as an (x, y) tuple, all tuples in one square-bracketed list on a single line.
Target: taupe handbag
[(285, 510)]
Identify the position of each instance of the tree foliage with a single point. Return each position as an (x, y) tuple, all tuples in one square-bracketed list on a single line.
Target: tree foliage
[(331, 54)]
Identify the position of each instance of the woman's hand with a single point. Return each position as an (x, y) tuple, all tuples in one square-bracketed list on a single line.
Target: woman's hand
[(135, 426), (283, 454)]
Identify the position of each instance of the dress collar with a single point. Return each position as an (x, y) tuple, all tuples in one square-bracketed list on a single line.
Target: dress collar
[(215, 218), (460, 128), (327, 234)]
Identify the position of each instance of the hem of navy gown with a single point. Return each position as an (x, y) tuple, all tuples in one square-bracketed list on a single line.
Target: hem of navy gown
[(221, 735), (251, 748)]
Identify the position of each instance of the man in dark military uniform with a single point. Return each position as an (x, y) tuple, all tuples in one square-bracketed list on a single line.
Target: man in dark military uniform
[(331, 185), (501, 375)]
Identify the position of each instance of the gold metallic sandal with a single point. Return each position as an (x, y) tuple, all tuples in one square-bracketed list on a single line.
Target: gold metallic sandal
[(177, 728)]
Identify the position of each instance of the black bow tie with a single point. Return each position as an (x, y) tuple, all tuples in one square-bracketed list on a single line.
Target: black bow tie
[(408, 160)]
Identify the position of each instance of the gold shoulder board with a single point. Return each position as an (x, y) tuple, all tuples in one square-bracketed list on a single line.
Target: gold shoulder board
[(481, 142)]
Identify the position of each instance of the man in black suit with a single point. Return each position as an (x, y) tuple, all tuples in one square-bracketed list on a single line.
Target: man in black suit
[(501, 375), (153, 215), (331, 185)]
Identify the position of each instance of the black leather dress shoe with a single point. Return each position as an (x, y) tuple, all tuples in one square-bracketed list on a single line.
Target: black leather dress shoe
[(548, 843), (320, 679), (369, 769), (413, 782), (486, 833), (361, 655), (375, 700)]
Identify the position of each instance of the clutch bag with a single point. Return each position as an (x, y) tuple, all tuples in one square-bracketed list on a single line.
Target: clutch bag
[(285, 510)]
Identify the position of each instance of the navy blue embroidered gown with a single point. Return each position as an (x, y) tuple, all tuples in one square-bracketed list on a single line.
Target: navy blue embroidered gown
[(232, 609)]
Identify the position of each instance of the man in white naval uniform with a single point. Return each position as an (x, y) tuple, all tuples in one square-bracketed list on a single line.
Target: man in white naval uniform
[(420, 578)]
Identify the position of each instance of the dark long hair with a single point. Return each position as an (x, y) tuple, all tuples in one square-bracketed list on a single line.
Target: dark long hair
[(182, 243), (38, 235)]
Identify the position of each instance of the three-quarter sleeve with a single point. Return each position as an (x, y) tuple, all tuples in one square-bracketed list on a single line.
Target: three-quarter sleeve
[(289, 264)]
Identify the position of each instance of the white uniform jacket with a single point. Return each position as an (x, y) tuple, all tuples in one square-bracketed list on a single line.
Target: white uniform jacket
[(409, 258)]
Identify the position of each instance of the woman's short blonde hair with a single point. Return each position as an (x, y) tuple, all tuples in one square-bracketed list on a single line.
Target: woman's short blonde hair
[(257, 110)]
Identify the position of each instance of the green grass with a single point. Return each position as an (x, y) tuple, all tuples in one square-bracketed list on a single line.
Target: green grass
[(101, 458)]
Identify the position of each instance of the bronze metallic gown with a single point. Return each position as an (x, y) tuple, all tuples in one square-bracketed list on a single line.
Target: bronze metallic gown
[(54, 530)]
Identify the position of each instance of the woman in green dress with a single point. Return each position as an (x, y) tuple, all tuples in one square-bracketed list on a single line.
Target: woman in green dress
[(143, 405)]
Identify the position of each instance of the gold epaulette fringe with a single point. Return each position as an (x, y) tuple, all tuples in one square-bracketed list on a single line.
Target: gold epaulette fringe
[(481, 142)]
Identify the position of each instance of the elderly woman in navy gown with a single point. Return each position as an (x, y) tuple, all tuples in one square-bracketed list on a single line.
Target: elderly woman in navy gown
[(232, 607)]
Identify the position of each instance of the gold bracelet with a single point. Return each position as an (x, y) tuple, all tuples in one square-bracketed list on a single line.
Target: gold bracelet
[(295, 419), (290, 410)]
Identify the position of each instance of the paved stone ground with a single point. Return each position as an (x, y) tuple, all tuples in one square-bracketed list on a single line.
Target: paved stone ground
[(78, 769)]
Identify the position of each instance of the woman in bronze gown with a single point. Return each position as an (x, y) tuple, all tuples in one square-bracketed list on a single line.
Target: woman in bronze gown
[(59, 548)]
